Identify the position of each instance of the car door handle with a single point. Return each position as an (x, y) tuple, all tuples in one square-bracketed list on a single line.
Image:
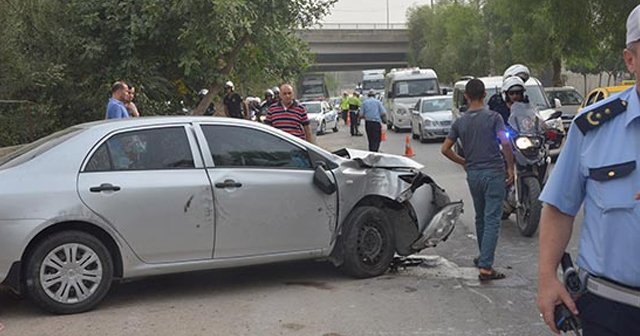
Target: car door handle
[(104, 187), (228, 184)]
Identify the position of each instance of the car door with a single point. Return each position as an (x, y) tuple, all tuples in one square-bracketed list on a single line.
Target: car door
[(151, 185), (265, 199)]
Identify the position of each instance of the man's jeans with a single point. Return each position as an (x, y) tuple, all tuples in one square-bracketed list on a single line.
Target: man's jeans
[(487, 188)]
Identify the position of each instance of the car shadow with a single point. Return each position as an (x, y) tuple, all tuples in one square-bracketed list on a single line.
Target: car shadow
[(197, 284)]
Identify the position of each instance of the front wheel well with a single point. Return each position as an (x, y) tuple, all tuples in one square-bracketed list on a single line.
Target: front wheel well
[(91, 229), (400, 215)]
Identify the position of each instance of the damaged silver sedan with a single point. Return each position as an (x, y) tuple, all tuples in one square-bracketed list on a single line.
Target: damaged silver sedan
[(114, 200)]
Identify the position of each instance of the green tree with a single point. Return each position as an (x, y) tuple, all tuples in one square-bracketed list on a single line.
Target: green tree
[(450, 37), (66, 53)]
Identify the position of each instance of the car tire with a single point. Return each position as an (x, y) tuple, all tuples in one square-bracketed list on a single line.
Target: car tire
[(50, 258), (368, 242), (421, 136)]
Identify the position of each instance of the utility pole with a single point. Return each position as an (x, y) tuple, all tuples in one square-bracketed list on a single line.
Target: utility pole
[(387, 14)]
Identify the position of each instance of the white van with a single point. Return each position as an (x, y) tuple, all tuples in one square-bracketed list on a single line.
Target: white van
[(493, 85), (403, 89)]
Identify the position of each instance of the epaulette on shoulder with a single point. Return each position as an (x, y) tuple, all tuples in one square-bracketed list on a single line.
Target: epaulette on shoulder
[(599, 115)]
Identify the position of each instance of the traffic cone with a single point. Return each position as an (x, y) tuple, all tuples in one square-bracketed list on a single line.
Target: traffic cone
[(408, 151), (349, 118), (383, 134)]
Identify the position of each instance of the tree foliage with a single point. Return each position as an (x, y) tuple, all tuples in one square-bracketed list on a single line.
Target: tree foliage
[(484, 37), (63, 55)]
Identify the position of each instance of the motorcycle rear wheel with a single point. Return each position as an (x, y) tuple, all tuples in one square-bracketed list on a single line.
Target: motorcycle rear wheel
[(528, 215)]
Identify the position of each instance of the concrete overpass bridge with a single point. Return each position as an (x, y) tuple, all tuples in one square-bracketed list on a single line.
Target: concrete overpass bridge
[(348, 47)]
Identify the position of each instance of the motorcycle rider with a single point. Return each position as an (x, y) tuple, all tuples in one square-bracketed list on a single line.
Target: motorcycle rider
[(276, 93), (523, 117), (268, 100), (497, 102)]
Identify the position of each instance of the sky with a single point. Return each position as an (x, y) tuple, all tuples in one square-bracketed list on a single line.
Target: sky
[(371, 11)]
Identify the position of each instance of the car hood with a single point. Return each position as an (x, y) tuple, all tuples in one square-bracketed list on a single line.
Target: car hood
[(437, 116), (366, 159), (406, 101)]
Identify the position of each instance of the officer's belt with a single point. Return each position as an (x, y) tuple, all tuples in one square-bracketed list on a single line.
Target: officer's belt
[(609, 290)]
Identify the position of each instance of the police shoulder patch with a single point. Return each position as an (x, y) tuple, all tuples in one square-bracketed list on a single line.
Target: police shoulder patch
[(599, 115)]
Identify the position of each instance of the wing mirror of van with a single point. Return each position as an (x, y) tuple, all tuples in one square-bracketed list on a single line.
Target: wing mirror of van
[(556, 103), (444, 92), (555, 115)]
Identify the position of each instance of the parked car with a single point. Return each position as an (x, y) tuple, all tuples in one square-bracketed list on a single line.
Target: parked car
[(569, 99), (431, 118), (112, 200), (601, 93), (322, 115)]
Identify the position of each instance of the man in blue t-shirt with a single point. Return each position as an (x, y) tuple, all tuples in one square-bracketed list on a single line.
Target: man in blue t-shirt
[(115, 106), (478, 130)]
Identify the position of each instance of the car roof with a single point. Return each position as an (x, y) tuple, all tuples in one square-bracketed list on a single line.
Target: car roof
[(435, 97), (560, 88), (495, 81)]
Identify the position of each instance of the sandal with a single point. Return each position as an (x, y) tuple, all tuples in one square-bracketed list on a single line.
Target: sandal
[(493, 275)]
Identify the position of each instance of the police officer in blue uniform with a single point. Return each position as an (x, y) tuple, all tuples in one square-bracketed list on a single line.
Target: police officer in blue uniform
[(598, 167)]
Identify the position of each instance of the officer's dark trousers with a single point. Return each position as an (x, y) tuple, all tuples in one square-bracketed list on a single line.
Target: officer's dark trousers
[(374, 130), (603, 317), (354, 122), (344, 116)]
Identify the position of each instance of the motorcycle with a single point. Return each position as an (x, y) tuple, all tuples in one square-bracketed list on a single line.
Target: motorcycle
[(531, 157)]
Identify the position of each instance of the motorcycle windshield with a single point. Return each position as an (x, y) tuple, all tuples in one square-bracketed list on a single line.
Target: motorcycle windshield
[(525, 118)]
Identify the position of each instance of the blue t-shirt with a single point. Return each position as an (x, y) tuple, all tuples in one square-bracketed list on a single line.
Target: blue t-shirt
[(478, 132), (116, 110)]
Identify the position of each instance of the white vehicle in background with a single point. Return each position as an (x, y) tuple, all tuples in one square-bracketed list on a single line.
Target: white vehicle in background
[(431, 118), (404, 87), (493, 85), (372, 80), (321, 116)]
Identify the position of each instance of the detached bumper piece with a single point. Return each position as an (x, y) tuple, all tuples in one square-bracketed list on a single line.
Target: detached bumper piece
[(440, 227)]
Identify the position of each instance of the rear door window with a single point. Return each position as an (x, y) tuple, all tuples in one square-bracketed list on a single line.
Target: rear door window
[(147, 149)]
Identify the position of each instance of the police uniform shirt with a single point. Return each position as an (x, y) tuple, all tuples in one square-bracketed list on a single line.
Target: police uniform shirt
[(598, 166)]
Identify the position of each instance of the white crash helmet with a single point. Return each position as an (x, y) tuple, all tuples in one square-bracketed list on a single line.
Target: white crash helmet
[(511, 82), (268, 92), (228, 84), (517, 70)]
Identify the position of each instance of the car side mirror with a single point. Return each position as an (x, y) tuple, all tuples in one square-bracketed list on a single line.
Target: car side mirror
[(444, 91), (555, 115), (556, 103), (323, 180)]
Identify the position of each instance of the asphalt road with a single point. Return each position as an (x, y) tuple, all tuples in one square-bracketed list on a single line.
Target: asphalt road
[(313, 298)]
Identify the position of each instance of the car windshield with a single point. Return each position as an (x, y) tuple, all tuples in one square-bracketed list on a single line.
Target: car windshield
[(416, 87), (377, 84), (434, 105), (313, 108), (534, 92), (312, 89), (32, 150), (537, 97), (566, 97)]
